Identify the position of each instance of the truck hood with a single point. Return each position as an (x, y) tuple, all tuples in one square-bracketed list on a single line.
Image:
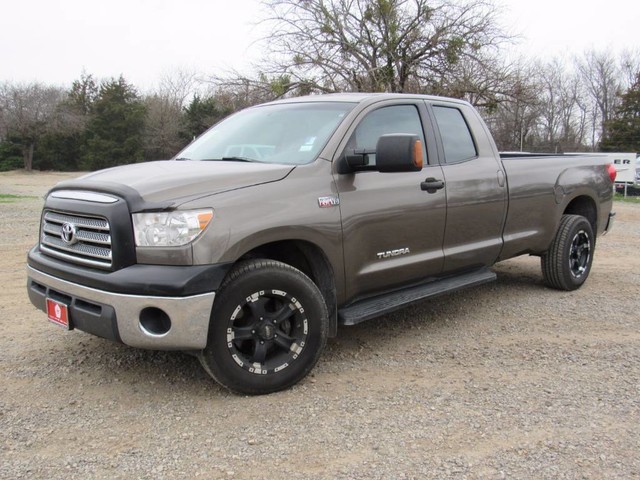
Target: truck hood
[(171, 181)]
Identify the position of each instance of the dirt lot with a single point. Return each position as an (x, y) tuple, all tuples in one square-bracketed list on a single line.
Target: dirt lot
[(509, 380)]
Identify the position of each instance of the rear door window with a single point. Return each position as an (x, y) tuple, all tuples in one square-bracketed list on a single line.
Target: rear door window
[(456, 137)]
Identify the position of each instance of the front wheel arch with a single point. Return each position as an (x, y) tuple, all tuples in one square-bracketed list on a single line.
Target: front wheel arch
[(311, 260)]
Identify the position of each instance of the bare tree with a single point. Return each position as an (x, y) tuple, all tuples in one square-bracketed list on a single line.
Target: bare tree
[(485, 81), (27, 112), (630, 66), (236, 91), (560, 124), (601, 77), (162, 127), (376, 45), (164, 120), (178, 85), (582, 118), (514, 119)]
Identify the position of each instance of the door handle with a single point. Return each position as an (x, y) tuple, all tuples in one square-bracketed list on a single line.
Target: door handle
[(431, 185)]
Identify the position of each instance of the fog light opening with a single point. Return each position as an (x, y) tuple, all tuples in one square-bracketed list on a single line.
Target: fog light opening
[(154, 321)]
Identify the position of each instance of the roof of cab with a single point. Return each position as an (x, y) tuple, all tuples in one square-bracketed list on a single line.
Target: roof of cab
[(360, 97)]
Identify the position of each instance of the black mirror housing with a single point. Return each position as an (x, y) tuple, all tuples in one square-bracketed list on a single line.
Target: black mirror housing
[(355, 160), (399, 152)]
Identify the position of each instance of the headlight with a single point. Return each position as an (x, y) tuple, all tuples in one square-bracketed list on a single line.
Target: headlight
[(169, 229)]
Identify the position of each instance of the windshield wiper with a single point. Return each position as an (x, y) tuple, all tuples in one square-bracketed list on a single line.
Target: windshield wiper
[(223, 159), (231, 159), (237, 159)]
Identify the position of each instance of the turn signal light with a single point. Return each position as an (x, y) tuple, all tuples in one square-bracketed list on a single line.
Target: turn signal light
[(417, 154), (611, 170), (204, 219)]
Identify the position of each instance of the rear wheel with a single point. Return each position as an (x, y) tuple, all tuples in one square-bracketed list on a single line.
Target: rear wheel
[(567, 263), (268, 327)]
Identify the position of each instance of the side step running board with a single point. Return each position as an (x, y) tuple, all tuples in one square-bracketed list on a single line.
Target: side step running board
[(389, 302)]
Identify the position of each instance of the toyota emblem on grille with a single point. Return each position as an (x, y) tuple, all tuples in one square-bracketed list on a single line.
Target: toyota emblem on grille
[(69, 233)]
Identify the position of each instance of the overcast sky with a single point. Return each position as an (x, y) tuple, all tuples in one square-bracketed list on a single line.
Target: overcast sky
[(53, 41)]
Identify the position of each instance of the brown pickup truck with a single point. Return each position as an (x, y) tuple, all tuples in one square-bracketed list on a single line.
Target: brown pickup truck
[(288, 219)]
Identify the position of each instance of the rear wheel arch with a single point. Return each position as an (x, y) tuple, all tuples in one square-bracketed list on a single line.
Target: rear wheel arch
[(584, 206)]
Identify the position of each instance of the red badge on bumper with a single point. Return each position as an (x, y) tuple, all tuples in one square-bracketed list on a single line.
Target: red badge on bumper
[(58, 313)]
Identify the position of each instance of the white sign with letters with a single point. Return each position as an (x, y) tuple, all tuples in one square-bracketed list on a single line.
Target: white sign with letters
[(625, 164)]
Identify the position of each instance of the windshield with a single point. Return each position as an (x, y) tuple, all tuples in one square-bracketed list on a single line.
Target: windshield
[(291, 133)]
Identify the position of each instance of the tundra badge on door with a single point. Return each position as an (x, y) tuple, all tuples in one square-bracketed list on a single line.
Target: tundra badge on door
[(393, 253)]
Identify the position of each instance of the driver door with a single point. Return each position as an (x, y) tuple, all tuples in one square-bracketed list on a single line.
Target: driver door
[(392, 229)]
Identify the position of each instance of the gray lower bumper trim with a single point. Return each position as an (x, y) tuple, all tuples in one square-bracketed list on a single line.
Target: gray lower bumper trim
[(189, 315)]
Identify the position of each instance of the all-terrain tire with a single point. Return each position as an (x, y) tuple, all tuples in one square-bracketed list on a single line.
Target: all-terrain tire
[(567, 263), (268, 327)]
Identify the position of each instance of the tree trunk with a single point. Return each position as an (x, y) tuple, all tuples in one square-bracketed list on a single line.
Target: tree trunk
[(27, 154)]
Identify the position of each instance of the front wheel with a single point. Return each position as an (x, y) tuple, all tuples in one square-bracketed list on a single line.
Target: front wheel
[(268, 327), (567, 263)]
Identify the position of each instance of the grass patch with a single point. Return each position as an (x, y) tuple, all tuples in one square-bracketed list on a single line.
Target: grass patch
[(618, 197), (8, 198)]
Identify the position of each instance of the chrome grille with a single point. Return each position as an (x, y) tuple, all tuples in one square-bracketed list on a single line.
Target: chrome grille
[(90, 243)]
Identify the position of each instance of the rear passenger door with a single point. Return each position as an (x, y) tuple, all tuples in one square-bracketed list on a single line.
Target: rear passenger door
[(475, 188)]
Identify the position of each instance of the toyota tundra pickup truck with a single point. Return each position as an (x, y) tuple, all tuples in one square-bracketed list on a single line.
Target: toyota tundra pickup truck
[(288, 219)]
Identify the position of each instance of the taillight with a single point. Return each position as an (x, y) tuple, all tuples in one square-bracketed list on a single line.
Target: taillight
[(611, 170)]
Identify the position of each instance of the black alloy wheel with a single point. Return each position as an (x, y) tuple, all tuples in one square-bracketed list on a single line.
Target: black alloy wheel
[(567, 263), (267, 331), (580, 255), (268, 327)]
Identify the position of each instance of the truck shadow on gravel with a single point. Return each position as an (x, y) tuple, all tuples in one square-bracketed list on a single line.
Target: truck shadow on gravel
[(95, 361), (443, 318)]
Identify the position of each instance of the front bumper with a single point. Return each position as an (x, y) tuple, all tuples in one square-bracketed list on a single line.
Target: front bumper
[(126, 317)]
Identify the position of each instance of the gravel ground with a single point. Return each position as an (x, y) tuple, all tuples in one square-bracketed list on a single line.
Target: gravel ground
[(508, 380)]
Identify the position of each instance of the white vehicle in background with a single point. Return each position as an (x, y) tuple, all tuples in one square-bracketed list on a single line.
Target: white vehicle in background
[(628, 172)]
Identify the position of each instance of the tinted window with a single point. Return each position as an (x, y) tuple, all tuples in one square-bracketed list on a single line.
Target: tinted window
[(384, 121), (456, 137)]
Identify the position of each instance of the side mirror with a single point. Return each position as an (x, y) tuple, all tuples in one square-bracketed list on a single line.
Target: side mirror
[(355, 160), (399, 152)]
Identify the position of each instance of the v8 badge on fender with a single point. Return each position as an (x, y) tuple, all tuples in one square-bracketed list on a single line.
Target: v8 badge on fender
[(329, 201)]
